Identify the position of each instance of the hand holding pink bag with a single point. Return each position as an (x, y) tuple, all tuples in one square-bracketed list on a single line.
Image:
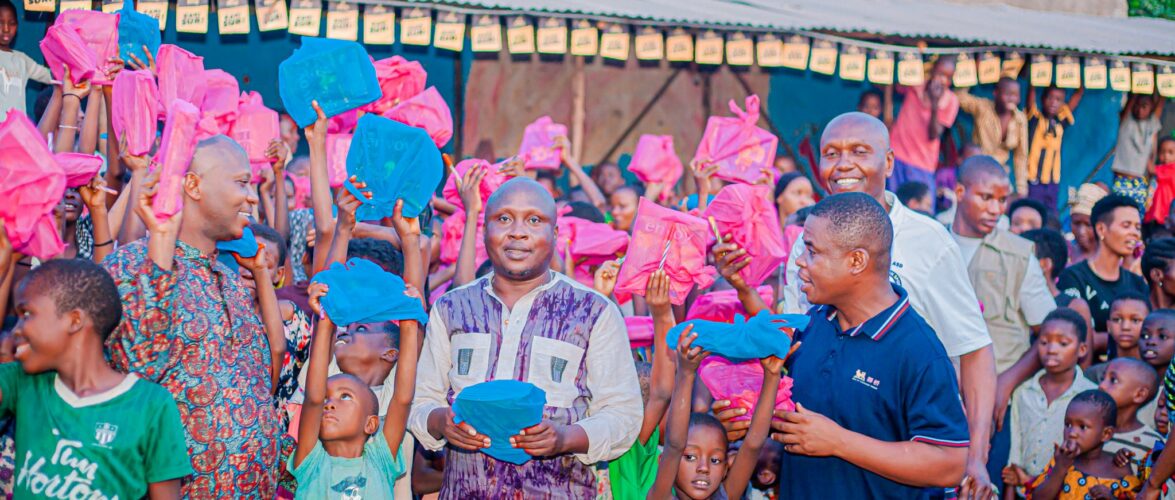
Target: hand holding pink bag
[(399, 80), (181, 76), (538, 149), (32, 183), (256, 126), (63, 47), (100, 32), (79, 168), (135, 109), (426, 110), (739, 147), (668, 239), (747, 214), (175, 156), (655, 161)]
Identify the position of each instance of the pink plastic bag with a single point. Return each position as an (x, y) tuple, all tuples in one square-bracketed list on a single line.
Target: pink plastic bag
[(640, 331), (429, 111), (337, 146), (256, 127), (655, 161), (181, 76), (343, 123), (747, 214), (100, 31), (452, 231), (740, 384), (64, 47), (592, 243), (135, 110), (685, 261), (222, 97), (489, 183), (737, 145), (175, 155), (31, 184), (79, 168), (723, 305), (399, 80), (538, 149)]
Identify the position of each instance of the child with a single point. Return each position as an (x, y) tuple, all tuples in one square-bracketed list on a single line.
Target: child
[(1038, 405), (1134, 153), (1127, 312), (1001, 129), (765, 482), (1046, 131), (342, 450), (88, 429), (1132, 384), (16, 68), (1079, 468), (694, 462), (1157, 346)]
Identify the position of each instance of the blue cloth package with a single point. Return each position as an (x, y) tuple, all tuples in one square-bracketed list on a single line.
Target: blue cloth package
[(500, 409), (397, 161), (362, 292), (743, 340), (337, 73), (135, 30), (246, 246)]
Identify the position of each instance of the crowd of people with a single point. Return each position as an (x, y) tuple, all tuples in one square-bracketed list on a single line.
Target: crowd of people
[(931, 330)]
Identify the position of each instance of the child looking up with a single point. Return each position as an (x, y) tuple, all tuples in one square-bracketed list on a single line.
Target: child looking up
[(1132, 384), (694, 462), (1079, 468), (124, 434), (16, 67), (343, 450)]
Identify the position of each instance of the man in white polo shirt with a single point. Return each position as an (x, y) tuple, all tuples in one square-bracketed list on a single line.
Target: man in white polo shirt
[(926, 261)]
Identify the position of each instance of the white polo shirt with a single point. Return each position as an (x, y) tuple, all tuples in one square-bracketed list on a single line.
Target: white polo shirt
[(927, 262)]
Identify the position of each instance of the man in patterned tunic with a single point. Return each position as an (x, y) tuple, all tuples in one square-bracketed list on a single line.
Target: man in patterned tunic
[(189, 325), (525, 322)]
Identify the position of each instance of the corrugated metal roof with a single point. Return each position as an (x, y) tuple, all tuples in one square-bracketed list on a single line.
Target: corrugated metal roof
[(999, 25)]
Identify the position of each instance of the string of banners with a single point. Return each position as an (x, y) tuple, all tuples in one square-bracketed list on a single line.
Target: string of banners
[(853, 60)]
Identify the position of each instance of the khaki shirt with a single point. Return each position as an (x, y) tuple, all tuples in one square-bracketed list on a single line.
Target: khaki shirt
[(990, 136)]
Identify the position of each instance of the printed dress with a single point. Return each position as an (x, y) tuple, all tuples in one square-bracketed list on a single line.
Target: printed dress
[(1077, 484), (194, 330)]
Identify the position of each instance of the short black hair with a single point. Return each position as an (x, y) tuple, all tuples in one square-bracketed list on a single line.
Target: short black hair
[(1158, 145), (1100, 400), (801, 215), (271, 236), (858, 221), (1103, 210), (1050, 244), (1052, 88), (873, 92), (980, 165), (380, 252), (1030, 203), (7, 4), (784, 181), (390, 330), (1150, 378), (1068, 316), (586, 211), (698, 419), (912, 190), (1131, 295), (79, 284), (1159, 254)]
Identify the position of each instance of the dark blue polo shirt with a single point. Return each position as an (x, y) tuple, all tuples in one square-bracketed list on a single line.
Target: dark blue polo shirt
[(889, 379)]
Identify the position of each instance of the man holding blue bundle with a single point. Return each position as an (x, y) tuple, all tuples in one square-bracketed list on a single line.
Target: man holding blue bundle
[(524, 322)]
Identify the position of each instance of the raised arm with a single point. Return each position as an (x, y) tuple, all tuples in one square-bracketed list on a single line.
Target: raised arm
[(743, 468), (71, 105), (344, 226), (469, 185), (271, 316), (887, 105), (316, 374), (661, 383), (396, 421), (408, 229), (52, 115), (585, 181), (1075, 99), (677, 429), (94, 196), (320, 197), (731, 260), (278, 154), (88, 143)]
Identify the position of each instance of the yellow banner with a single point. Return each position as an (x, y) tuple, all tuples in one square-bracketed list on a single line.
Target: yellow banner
[(342, 21), (67, 5), (158, 11), (40, 5), (450, 32), (1068, 72), (769, 51), (708, 49), (416, 27), (520, 36), (486, 34), (1041, 72), (852, 63), (1142, 79), (614, 43), (650, 44), (795, 52), (553, 36), (823, 58), (679, 46), (1165, 81), (272, 15), (989, 68), (881, 68), (1095, 73), (740, 50), (111, 6), (379, 25), (1012, 64), (911, 71), (191, 16), (966, 71), (232, 17), (585, 39), (1120, 76)]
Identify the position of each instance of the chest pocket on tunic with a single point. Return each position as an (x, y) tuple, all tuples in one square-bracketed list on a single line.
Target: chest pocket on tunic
[(471, 357), (554, 366)]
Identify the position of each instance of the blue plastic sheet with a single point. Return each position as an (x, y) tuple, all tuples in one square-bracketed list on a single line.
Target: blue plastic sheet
[(362, 292), (337, 73), (500, 409), (135, 30), (743, 340), (397, 161), (245, 246)]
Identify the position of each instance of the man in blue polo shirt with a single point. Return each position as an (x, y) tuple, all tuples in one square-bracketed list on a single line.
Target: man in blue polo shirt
[(878, 411)]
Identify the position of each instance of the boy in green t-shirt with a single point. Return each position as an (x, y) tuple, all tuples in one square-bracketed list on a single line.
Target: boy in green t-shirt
[(83, 430)]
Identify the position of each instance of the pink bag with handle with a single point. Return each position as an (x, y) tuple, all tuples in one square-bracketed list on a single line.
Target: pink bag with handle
[(64, 47), (655, 161), (337, 147), (685, 259), (79, 167), (135, 109), (31, 185), (100, 31), (538, 149), (592, 243), (399, 80), (740, 383), (426, 110), (739, 147), (489, 183), (723, 305), (181, 76), (256, 126), (343, 123), (747, 214), (175, 155), (222, 98)]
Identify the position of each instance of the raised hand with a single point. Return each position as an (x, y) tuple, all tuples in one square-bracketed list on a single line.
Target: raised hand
[(406, 227), (348, 203), (316, 291), (604, 280), (689, 357), (657, 293), (94, 193), (137, 64), (730, 260), (133, 163), (470, 189), (316, 132), (278, 154), (171, 225)]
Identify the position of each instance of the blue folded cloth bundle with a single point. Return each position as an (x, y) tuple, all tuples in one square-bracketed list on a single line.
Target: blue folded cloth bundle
[(743, 340), (135, 30), (397, 161), (362, 292), (245, 246), (337, 73), (500, 409)]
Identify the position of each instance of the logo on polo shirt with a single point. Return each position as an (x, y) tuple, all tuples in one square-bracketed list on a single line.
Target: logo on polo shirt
[(864, 379), (894, 278)]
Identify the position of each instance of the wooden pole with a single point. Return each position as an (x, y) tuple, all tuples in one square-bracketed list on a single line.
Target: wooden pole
[(578, 110)]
